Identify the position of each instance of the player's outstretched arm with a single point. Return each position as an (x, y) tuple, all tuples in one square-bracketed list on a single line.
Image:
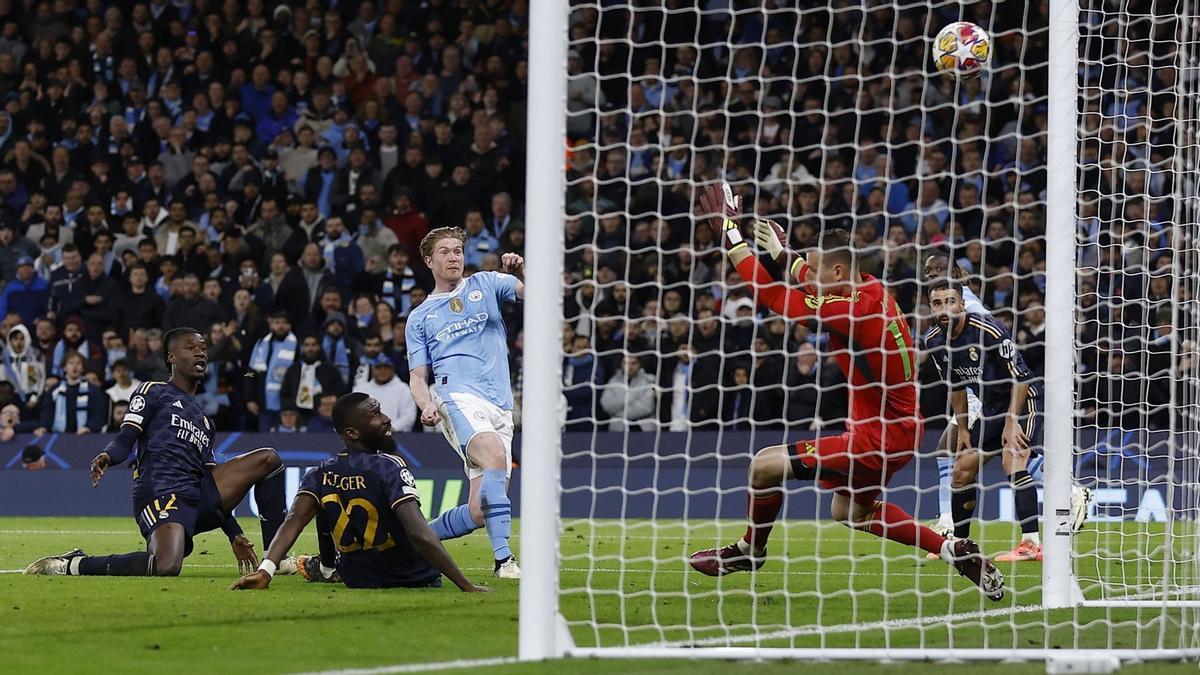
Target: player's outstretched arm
[(429, 546), (117, 451), (770, 236), (304, 509), (418, 382)]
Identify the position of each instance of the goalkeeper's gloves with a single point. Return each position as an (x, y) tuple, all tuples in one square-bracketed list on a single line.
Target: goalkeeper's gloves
[(721, 207), (772, 238)]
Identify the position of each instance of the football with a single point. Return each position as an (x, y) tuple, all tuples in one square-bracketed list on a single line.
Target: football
[(961, 49)]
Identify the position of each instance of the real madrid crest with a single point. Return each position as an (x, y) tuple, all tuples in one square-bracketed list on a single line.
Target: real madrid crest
[(973, 354), (456, 304)]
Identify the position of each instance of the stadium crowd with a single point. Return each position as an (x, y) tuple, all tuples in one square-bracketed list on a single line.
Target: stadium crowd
[(265, 172)]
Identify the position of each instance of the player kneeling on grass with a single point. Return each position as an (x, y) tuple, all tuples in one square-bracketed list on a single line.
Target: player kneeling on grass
[(977, 352), (178, 488), (367, 498), (870, 340)]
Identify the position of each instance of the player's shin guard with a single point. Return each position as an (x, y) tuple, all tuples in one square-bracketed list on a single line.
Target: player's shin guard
[(761, 511), (962, 507), (140, 564), (454, 523), (497, 511), (270, 495), (945, 467), (892, 522), (1025, 503)]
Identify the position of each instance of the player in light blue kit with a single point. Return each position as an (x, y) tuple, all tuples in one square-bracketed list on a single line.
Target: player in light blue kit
[(940, 265), (458, 336)]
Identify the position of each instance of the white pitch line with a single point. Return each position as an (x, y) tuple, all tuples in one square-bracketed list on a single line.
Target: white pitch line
[(421, 667), (893, 624)]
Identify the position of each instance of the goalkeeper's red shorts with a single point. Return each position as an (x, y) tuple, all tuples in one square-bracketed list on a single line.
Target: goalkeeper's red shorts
[(860, 462)]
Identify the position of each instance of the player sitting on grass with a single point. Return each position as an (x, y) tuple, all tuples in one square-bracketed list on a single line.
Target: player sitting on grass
[(940, 265), (368, 498), (977, 352), (178, 488), (458, 334), (870, 340)]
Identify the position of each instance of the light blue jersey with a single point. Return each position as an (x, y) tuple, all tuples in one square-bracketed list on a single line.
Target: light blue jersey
[(461, 336), (971, 302)]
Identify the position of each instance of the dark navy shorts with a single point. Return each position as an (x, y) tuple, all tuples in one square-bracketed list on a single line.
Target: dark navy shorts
[(196, 515), (987, 435)]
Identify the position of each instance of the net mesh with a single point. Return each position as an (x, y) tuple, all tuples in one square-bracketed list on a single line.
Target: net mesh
[(829, 116), (1136, 316)]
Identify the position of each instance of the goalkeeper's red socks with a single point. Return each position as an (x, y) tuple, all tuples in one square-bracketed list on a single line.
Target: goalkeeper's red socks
[(763, 509), (892, 522)]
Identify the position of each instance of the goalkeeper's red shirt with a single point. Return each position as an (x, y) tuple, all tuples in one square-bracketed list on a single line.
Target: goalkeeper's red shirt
[(869, 338)]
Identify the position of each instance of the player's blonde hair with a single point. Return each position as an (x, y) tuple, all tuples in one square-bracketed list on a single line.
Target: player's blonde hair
[(437, 234)]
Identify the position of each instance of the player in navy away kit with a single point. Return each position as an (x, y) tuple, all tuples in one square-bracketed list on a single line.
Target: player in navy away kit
[(368, 498), (977, 352), (178, 488)]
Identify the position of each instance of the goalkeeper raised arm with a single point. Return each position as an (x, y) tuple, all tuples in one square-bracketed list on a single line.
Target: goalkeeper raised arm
[(871, 343)]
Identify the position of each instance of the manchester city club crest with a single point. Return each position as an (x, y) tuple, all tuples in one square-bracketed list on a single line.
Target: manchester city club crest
[(456, 304), (475, 295)]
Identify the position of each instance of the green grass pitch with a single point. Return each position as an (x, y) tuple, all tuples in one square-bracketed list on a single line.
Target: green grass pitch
[(192, 624)]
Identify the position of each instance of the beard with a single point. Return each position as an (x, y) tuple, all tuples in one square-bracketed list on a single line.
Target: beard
[(384, 443)]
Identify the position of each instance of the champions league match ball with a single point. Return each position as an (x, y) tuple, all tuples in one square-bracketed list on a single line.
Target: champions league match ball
[(961, 50)]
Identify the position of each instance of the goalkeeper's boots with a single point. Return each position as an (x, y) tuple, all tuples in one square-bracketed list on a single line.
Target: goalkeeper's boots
[(54, 564), (1081, 498), (972, 564), (948, 537), (507, 568), (1026, 551), (717, 562), (309, 567)]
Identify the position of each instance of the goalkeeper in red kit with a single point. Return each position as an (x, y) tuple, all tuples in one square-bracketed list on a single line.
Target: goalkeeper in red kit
[(871, 343)]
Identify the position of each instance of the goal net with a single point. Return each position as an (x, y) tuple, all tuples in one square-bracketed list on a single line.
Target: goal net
[(1062, 184)]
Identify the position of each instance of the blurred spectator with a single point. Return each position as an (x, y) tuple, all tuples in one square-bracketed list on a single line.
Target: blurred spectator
[(582, 378), (33, 458), (322, 421), (270, 360), (138, 306), (123, 382), (119, 408), (395, 398), (192, 309), (27, 293), (629, 398), (146, 355), (92, 298), (340, 349), (10, 417), (74, 406), (289, 422), (309, 377)]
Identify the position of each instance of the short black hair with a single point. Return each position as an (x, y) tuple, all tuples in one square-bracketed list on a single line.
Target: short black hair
[(345, 408), (173, 335), (947, 283)]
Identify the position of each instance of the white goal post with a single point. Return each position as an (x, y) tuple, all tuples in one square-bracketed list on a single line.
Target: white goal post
[(631, 594)]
